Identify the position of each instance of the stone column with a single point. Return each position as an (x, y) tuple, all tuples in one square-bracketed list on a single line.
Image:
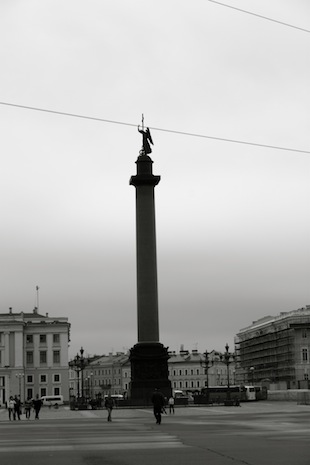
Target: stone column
[(149, 358), (147, 294)]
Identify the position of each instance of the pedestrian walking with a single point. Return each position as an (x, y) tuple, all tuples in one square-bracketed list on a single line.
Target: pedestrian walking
[(37, 404), (109, 404), (171, 404), (158, 402), (28, 406), (11, 408), (17, 407)]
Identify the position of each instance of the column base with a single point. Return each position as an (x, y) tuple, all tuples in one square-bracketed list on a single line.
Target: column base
[(149, 370)]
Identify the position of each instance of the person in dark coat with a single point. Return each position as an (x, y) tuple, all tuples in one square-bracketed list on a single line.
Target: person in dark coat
[(158, 402), (28, 407), (37, 404), (109, 404), (17, 407)]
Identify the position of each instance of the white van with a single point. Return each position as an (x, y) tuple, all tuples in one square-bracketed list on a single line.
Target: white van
[(52, 400)]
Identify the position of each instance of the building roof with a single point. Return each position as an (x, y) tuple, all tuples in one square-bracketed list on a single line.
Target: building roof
[(301, 313)]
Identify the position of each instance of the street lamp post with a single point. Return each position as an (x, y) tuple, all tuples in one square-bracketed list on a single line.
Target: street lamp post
[(206, 365), (78, 364), (252, 375), (91, 385), (227, 358)]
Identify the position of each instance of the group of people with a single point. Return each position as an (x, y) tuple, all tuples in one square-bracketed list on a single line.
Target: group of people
[(15, 407)]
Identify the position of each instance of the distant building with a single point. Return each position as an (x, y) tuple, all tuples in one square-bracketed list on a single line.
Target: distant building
[(187, 372), (33, 355), (102, 375), (275, 350)]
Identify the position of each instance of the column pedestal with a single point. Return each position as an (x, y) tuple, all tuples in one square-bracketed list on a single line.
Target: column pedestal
[(149, 370)]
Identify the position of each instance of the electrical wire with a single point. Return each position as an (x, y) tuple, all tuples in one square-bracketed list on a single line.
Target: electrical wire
[(223, 139), (260, 16)]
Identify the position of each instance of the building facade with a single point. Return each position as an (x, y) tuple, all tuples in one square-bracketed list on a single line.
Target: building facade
[(188, 372), (191, 371), (102, 375), (276, 351), (33, 355)]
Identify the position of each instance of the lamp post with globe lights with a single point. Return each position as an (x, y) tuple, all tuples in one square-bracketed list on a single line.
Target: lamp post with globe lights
[(78, 364), (228, 358), (206, 364)]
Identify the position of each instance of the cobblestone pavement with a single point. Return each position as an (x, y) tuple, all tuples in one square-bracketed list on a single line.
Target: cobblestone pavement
[(258, 433)]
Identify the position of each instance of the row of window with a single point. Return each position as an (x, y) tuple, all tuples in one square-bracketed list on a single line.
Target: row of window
[(43, 338), (43, 378), (43, 357), (42, 392), (188, 384), (108, 371), (192, 372), (184, 372)]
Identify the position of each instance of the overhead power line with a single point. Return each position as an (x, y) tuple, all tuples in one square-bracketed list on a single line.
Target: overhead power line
[(260, 16), (223, 139)]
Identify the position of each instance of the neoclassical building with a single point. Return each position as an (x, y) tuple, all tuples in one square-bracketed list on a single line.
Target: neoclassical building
[(33, 355), (191, 371), (101, 375), (275, 351)]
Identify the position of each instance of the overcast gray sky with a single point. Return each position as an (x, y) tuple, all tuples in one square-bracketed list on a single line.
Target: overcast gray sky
[(233, 221)]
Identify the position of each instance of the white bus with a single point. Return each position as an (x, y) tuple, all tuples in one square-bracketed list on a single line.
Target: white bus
[(52, 400)]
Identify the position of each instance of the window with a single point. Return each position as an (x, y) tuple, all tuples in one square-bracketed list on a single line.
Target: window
[(304, 355), (43, 357), (43, 392), (304, 333), (43, 379), (306, 376), (180, 372), (29, 358), (56, 356), (56, 391), (56, 338), (197, 371), (56, 378), (29, 393), (29, 339), (29, 379), (42, 338)]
